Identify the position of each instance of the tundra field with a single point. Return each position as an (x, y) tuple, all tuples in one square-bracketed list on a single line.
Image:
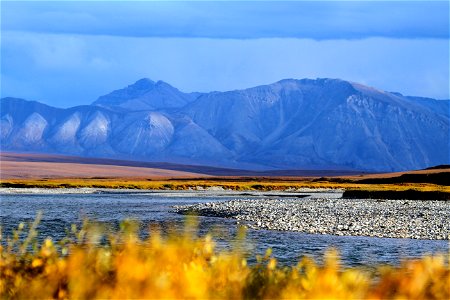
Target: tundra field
[(55, 171)]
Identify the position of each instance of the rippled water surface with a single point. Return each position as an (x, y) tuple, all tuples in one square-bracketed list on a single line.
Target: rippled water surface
[(62, 210)]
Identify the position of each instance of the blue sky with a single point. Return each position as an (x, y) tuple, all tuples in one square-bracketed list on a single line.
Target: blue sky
[(67, 53)]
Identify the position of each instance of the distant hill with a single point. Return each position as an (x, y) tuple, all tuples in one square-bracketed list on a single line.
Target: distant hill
[(438, 167), (322, 124)]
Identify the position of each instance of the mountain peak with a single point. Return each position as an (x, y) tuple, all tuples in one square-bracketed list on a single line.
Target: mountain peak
[(145, 94), (143, 84), (330, 85), (164, 84), (132, 91)]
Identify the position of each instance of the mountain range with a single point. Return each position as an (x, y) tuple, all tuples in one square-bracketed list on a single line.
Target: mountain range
[(327, 124)]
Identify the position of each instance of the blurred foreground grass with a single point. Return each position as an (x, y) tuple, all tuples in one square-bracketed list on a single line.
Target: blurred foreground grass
[(92, 263)]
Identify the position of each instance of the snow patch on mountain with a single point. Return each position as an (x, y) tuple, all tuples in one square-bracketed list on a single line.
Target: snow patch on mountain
[(95, 133), (144, 134), (6, 126), (31, 131), (65, 134), (192, 141)]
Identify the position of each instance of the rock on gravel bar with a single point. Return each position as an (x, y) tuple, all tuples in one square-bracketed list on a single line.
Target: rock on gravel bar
[(377, 218)]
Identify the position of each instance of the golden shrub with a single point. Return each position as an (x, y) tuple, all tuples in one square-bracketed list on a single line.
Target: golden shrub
[(183, 265)]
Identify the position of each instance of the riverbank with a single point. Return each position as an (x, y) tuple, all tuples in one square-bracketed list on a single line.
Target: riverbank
[(231, 184), (202, 193), (354, 217)]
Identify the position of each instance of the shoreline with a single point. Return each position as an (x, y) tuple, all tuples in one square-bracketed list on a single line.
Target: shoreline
[(298, 193), (426, 219)]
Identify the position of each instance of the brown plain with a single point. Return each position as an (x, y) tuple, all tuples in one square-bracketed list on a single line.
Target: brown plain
[(56, 171), (33, 166)]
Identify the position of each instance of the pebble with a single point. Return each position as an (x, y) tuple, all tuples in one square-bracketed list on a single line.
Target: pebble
[(355, 217)]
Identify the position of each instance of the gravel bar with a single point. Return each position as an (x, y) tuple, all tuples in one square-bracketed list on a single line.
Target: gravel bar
[(356, 217)]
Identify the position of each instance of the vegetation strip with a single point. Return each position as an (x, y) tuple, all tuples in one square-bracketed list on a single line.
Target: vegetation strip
[(235, 184)]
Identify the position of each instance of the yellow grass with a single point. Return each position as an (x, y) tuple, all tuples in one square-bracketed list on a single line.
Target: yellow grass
[(230, 184), (185, 266)]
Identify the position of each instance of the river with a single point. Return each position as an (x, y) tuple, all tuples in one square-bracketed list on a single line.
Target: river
[(61, 210)]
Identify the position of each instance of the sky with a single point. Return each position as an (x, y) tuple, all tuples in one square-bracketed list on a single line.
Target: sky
[(67, 53)]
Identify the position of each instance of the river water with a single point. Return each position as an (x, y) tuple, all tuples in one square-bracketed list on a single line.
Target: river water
[(61, 210)]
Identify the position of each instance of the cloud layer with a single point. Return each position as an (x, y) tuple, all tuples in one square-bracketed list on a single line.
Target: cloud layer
[(68, 53), (237, 20)]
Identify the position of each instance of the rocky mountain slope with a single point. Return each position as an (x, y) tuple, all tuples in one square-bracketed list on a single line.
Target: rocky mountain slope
[(291, 124)]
